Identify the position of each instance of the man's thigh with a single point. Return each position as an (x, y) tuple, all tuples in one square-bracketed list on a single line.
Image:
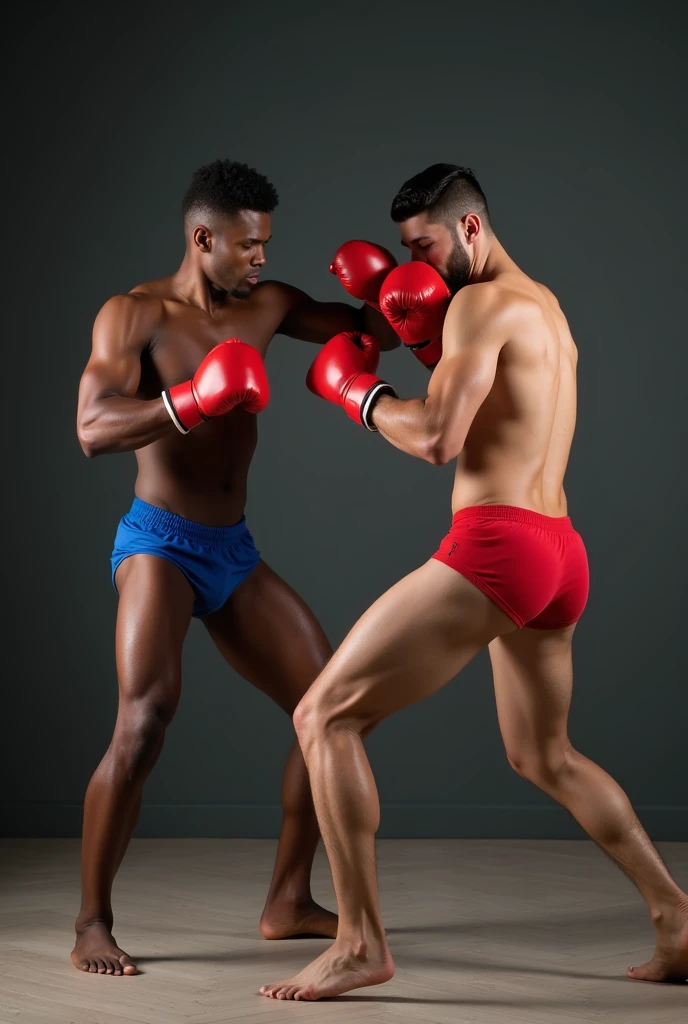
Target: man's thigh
[(269, 635), (533, 680), (410, 643), (153, 616)]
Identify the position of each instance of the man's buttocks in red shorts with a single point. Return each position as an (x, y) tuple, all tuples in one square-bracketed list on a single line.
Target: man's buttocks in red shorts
[(534, 567)]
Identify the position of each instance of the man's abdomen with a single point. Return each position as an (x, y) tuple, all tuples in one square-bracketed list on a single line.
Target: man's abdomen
[(201, 475)]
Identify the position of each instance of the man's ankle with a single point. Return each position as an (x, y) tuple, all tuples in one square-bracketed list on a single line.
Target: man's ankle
[(85, 921)]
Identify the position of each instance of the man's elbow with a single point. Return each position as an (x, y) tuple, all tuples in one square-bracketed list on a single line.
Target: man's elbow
[(89, 449), (88, 440), (438, 451)]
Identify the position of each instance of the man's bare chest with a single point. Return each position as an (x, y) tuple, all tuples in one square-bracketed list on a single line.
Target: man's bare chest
[(185, 338)]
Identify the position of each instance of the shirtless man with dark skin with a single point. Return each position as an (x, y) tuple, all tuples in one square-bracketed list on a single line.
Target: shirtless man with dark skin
[(511, 575), (161, 383)]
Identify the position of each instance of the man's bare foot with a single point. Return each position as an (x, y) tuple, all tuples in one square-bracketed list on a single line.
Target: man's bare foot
[(97, 952), (670, 961), (334, 972), (289, 920)]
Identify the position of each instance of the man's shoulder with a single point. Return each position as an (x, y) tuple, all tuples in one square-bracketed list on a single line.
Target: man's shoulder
[(145, 294), (510, 295), (153, 292), (139, 306), (484, 301), (276, 293)]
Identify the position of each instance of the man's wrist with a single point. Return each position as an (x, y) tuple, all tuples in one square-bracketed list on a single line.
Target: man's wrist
[(384, 401)]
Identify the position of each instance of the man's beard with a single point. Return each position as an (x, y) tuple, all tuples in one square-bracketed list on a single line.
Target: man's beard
[(458, 267), (240, 293)]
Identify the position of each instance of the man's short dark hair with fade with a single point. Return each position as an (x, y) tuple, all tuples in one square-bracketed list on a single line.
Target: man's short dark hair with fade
[(446, 192), (225, 187)]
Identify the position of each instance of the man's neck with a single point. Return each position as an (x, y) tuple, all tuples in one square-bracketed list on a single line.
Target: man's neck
[(491, 261), (192, 287)]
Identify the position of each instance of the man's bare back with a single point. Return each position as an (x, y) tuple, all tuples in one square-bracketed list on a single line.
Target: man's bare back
[(517, 448)]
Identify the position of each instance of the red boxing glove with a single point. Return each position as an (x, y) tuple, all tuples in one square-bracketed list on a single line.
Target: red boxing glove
[(343, 373), (362, 267), (231, 374), (415, 299)]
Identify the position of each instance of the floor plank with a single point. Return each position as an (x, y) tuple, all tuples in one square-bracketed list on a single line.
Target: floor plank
[(483, 932)]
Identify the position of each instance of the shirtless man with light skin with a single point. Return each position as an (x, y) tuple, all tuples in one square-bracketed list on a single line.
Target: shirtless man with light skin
[(511, 575)]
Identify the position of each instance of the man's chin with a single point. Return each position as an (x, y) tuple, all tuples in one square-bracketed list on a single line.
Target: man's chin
[(240, 293)]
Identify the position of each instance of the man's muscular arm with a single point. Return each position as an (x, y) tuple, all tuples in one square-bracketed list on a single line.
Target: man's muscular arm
[(309, 320), (435, 428), (109, 418)]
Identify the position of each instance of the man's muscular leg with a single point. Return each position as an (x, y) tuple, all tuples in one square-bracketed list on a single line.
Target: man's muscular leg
[(533, 681), (411, 642), (271, 638), (155, 607)]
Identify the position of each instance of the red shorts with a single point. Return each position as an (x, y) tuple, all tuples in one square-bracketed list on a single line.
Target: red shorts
[(533, 567)]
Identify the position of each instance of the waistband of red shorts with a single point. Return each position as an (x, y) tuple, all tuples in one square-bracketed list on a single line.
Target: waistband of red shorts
[(557, 524)]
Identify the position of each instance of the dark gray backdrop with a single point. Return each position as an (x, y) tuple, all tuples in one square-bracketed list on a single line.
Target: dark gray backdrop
[(574, 119)]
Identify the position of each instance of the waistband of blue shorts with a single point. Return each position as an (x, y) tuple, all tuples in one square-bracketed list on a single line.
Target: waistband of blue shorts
[(150, 517)]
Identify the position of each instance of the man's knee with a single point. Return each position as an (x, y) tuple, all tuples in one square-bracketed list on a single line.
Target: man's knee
[(141, 730), (319, 712), (308, 718), (543, 766)]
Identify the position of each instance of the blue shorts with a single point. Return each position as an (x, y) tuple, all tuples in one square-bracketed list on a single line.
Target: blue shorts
[(214, 559)]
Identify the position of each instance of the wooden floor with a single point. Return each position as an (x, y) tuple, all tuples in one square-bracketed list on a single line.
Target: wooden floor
[(482, 931)]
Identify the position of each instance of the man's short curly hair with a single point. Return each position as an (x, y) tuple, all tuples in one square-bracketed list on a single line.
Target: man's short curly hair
[(225, 187)]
